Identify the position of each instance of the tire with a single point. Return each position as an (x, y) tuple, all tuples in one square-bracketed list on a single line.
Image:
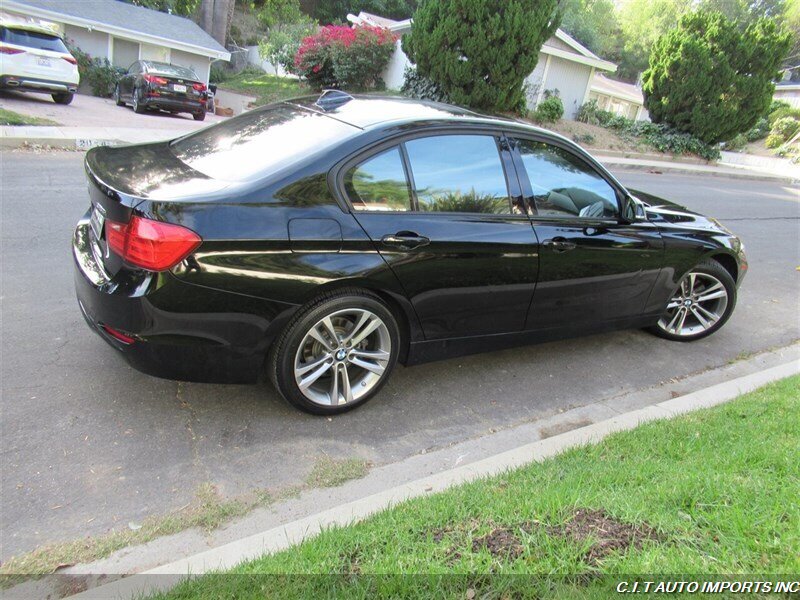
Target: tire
[(351, 313), (701, 317), (199, 116), (64, 98), (117, 99), (137, 108)]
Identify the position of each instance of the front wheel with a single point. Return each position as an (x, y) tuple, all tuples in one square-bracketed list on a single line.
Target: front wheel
[(336, 354), (64, 98), (703, 302), (199, 116), (118, 97)]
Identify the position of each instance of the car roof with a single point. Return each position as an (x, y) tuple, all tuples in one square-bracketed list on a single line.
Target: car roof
[(368, 111)]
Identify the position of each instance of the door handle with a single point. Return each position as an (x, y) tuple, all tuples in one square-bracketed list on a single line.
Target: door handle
[(405, 239), (559, 244)]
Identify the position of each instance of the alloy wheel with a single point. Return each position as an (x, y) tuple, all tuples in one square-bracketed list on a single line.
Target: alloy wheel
[(697, 305), (342, 357)]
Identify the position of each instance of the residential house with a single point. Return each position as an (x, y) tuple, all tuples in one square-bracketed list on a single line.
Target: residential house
[(564, 65), (788, 89), (620, 98), (124, 33)]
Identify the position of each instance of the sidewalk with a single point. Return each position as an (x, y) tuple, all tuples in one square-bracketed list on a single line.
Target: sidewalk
[(83, 138)]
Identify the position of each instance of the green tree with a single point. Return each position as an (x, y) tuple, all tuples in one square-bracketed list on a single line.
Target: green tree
[(480, 51), (595, 24), (177, 7), (709, 78), (642, 23)]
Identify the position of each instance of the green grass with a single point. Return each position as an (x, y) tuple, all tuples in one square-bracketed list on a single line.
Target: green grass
[(9, 117), (330, 472), (713, 492), (266, 88)]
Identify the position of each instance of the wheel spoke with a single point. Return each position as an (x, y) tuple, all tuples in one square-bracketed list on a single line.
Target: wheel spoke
[(370, 354), (321, 369), (369, 366), (372, 325), (703, 321), (334, 391), (671, 324), (305, 368), (674, 303), (682, 320), (712, 293), (347, 393), (317, 335), (692, 279), (713, 317)]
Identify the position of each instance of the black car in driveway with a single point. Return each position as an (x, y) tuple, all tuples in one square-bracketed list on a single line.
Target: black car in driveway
[(320, 241), (151, 85)]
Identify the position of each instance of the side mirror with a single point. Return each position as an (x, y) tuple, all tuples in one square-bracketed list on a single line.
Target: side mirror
[(633, 210)]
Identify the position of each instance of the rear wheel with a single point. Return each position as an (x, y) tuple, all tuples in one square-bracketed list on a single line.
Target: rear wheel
[(64, 98), (137, 107), (703, 302), (199, 116), (336, 354), (117, 98)]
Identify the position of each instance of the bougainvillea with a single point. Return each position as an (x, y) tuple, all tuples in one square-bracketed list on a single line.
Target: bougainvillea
[(343, 57)]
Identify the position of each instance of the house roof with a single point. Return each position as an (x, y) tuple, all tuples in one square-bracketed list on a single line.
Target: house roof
[(125, 20), (618, 89), (579, 52)]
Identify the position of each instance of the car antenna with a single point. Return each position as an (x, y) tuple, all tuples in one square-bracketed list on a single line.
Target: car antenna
[(331, 99)]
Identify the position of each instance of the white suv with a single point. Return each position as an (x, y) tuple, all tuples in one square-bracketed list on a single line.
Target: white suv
[(34, 58)]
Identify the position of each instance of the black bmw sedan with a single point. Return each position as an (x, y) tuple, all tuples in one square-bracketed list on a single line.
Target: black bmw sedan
[(320, 241)]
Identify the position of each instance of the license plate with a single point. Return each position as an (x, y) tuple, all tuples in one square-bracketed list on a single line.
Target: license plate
[(97, 220), (179, 88), (44, 62)]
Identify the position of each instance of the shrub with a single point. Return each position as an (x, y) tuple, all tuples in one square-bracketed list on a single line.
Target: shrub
[(737, 143), (660, 136), (479, 52), (759, 130), (417, 86), (710, 78), (99, 74), (773, 141), (219, 74), (282, 43), (782, 113), (785, 128), (549, 110), (344, 57), (776, 104)]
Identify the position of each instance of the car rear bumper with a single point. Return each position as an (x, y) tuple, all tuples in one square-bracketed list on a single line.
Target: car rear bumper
[(179, 331), (34, 84), (164, 103)]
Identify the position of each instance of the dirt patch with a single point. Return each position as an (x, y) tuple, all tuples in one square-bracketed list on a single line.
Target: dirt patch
[(500, 542), (607, 534), (547, 432)]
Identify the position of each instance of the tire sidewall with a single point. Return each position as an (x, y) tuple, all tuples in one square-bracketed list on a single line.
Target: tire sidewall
[(286, 350), (722, 274)]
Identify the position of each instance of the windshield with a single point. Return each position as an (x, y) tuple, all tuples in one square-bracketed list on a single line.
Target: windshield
[(32, 39), (260, 142), (171, 70)]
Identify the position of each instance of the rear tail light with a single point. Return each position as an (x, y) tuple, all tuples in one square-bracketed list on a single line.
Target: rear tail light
[(199, 87), (70, 60), (7, 50), (155, 79), (149, 244), (118, 335)]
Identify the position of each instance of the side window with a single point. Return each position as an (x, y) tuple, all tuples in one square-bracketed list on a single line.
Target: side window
[(458, 173), (379, 183), (564, 185)]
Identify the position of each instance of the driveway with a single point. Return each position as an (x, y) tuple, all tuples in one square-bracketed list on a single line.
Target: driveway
[(90, 111), (88, 444)]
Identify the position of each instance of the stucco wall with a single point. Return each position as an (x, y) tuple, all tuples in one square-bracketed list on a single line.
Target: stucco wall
[(571, 79), (95, 43), (393, 73)]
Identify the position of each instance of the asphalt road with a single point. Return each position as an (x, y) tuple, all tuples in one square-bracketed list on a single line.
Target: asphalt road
[(89, 444)]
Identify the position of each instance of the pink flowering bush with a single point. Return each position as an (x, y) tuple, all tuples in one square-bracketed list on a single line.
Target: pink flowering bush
[(342, 57)]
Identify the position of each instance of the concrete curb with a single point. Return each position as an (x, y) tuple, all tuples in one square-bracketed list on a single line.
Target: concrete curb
[(279, 538), (732, 172)]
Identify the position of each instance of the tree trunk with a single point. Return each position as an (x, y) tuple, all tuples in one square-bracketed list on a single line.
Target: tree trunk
[(219, 29)]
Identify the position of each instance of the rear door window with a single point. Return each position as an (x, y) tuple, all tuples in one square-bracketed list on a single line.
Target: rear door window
[(379, 183), (458, 173), (32, 39)]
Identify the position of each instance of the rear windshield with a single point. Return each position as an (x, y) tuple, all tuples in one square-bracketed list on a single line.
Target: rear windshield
[(171, 70), (259, 142), (32, 39)]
